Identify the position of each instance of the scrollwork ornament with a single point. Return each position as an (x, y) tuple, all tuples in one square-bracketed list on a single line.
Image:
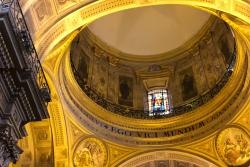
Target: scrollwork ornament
[(90, 152), (9, 151), (233, 146)]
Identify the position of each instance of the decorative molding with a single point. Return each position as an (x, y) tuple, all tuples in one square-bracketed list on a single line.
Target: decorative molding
[(245, 119), (205, 147), (151, 80), (75, 132), (100, 8), (57, 123), (150, 132), (166, 155), (116, 153)]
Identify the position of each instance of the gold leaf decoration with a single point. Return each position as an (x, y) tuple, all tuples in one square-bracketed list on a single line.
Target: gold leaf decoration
[(233, 146)]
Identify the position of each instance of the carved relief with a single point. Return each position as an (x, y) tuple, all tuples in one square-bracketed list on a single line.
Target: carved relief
[(63, 4), (42, 136), (233, 146), (90, 152), (42, 10), (44, 158)]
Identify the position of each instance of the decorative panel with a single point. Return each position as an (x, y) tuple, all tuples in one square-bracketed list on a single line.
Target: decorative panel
[(233, 146)]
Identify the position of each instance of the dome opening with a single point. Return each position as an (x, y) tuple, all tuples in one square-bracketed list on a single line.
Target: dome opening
[(159, 88)]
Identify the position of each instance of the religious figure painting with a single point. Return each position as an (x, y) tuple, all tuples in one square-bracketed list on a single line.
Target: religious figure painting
[(188, 84), (225, 49), (125, 90), (82, 67)]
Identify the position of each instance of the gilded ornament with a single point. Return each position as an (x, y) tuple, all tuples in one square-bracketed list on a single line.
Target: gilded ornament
[(90, 152), (233, 146)]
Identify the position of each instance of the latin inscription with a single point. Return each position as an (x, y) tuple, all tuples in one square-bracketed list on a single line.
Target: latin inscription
[(156, 134)]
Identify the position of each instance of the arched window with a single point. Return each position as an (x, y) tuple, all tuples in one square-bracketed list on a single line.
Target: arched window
[(158, 102)]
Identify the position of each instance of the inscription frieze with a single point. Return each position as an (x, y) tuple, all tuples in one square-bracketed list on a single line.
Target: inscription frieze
[(141, 134), (176, 135)]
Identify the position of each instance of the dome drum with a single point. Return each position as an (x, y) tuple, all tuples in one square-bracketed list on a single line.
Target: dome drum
[(157, 130), (191, 78)]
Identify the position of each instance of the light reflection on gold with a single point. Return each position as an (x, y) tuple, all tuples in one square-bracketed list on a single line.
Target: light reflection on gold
[(52, 45)]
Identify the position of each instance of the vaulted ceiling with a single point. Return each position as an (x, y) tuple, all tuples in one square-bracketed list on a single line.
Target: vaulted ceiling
[(149, 30)]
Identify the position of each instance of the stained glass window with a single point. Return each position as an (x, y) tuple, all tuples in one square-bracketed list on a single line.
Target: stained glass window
[(158, 102)]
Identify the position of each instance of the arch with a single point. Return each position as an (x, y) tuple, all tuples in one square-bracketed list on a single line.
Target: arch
[(57, 123), (161, 155), (79, 18), (74, 21)]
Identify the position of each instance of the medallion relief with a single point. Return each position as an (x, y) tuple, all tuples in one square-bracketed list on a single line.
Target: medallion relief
[(90, 152), (233, 146)]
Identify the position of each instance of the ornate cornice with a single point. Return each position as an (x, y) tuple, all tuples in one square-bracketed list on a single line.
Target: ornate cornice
[(181, 129), (83, 16)]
